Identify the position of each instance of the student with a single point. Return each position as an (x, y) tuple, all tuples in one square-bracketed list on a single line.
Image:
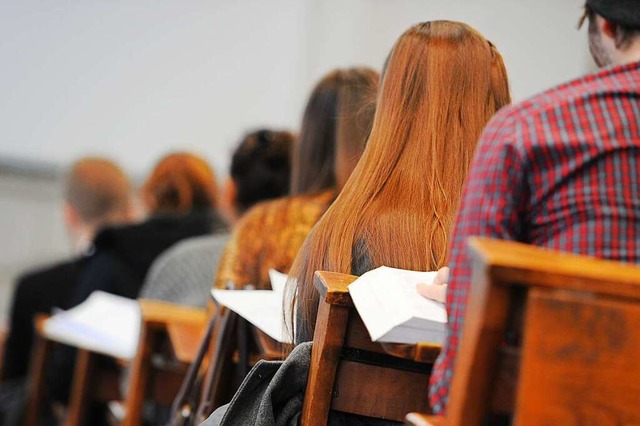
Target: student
[(180, 199), (559, 170), (399, 204), (335, 126), (97, 193), (442, 82), (260, 170)]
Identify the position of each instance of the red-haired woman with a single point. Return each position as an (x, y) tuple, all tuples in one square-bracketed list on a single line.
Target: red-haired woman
[(442, 82)]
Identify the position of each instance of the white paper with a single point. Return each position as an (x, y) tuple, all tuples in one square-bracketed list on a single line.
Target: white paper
[(262, 308), (103, 323), (393, 311)]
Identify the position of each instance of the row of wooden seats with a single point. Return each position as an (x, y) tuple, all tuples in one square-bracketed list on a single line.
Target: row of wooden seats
[(548, 339)]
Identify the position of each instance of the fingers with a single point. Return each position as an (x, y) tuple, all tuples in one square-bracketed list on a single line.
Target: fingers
[(442, 277), (437, 292)]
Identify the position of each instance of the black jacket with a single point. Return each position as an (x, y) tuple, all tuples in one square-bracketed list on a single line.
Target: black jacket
[(36, 292)]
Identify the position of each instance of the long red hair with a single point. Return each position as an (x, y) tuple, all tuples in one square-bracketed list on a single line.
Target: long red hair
[(442, 83)]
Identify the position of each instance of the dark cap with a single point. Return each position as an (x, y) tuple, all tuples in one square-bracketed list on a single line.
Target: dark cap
[(621, 12)]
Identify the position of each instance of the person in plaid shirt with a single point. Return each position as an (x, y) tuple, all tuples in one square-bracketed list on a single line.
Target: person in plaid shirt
[(560, 170)]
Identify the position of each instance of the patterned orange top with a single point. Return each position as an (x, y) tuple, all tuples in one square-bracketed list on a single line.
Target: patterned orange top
[(269, 236)]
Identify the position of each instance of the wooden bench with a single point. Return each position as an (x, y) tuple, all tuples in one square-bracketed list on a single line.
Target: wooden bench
[(350, 373), (574, 322)]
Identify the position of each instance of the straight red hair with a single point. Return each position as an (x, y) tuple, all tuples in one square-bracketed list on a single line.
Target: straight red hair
[(442, 83)]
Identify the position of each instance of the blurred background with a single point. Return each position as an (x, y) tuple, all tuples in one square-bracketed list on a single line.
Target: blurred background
[(134, 79)]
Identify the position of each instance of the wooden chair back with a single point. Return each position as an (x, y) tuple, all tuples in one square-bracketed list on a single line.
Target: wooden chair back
[(350, 373), (232, 346), (168, 330), (572, 322)]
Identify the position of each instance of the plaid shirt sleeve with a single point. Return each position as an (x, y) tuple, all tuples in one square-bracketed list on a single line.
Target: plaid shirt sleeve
[(492, 201)]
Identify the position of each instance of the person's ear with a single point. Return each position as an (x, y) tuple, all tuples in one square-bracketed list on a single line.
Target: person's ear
[(71, 218), (607, 28)]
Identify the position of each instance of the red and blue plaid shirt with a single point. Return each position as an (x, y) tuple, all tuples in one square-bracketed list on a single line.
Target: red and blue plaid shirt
[(561, 170)]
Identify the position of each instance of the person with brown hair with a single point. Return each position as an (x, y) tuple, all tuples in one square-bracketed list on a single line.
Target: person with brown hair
[(335, 126), (180, 199), (97, 193), (260, 170), (442, 83)]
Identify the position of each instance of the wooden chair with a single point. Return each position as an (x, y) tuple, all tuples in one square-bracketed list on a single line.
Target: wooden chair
[(152, 376), (234, 348), (229, 349), (172, 331), (571, 322), (352, 374)]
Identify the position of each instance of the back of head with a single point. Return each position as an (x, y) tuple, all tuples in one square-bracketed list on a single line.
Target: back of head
[(335, 127), (442, 83), (97, 189), (179, 183), (261, 167)]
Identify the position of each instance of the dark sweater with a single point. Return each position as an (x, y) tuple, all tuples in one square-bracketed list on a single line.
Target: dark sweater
[(36, 292)]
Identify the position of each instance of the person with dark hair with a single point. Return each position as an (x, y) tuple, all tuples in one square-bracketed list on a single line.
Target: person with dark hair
[(335, 127), (559, 170), (260, 170)]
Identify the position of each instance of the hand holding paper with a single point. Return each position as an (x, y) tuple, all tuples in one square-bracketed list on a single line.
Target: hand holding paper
[(437, 290)]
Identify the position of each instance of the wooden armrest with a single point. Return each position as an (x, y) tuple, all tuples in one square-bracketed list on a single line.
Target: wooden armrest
[(186, 339), (154, 311), (418, 419), (512, 263), (421, 352), (332, 287), (38, 322)]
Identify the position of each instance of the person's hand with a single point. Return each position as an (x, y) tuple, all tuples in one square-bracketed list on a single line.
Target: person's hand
[(437, 290)]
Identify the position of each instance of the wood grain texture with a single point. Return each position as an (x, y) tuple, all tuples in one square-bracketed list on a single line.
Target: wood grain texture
[(511, 263), (329, 334), (580, 361), (38, 367), (185, 339), (578, 340), (333, 287)]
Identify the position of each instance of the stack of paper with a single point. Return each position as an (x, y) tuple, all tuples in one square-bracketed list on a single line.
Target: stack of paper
[(103, 323), (393, 311)]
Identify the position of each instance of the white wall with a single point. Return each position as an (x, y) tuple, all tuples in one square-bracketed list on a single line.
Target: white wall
[(135, 78)]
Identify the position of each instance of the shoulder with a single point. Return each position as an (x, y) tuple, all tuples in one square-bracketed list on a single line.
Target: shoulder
[(551, 107), (43, 281), (49, 274)]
